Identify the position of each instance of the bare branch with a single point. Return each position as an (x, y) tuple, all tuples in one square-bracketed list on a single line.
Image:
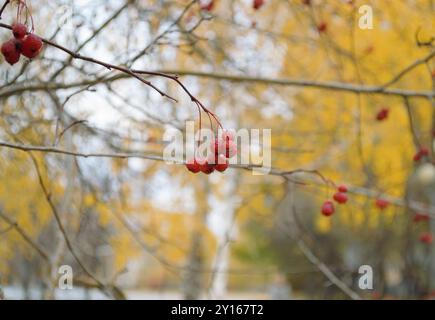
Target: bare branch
[(300, 176), (409, 68), (109, 289), (25, 236)]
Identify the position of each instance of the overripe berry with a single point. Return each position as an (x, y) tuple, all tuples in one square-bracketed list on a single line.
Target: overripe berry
[(342, 188), (340, 197), (11, 51), (382, 114), (19, 30), (328, 208), (381, 203), (257, 4), (426, 238), (322, 27), (32, 45), (222, 163), (193, 166), (420, 217)]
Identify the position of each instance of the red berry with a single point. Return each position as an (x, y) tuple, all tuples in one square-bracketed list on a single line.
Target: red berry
[(381, 203), (193, 166), (227, 148), (19, 30), (206, 166), (423, 152), (426, 238), (32, 45), (257, 4), (230, 149), (421, 217), (11, 51), (228, 135), (208, 6), (222, 164), (322, 27), (342, 188), (328, 208), (340, 197), (382, 114)]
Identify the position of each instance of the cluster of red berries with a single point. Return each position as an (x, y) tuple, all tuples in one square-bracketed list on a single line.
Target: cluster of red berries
[(382, 114), (328, 208), (28, 45), (221, 150), (423, 152)]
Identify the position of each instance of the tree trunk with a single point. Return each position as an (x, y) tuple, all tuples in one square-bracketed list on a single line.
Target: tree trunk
[(192, 282)]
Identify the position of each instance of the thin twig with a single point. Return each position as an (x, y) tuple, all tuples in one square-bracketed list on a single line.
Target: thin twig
[(25, 236), (302, 176), (4, 7), (408, 69), (107, 65), (104, 287)]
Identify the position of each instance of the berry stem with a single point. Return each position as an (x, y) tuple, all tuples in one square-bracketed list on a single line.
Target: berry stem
[(200, 126), (211, 121)]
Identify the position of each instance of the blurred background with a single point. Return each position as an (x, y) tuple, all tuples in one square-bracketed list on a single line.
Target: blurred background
[(346, 105)]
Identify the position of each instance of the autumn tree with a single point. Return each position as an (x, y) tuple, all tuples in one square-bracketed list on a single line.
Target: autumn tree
[(347, 88)]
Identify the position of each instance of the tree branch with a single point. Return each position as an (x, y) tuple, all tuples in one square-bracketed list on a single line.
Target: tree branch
[(300, 176)]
